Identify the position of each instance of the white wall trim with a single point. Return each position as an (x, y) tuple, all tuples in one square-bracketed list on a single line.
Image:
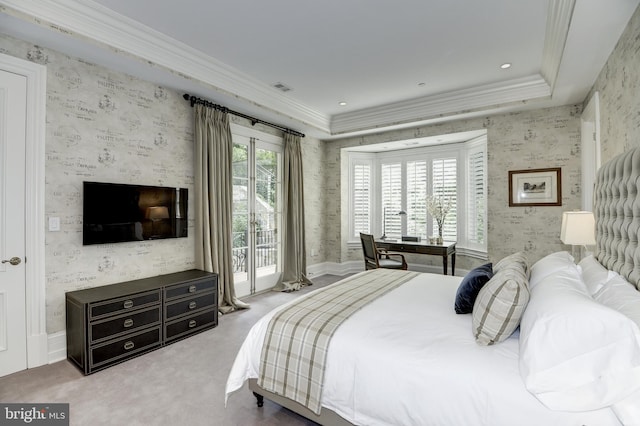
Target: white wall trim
[(590, 148), (92, 21), (57, 347), (559, 15), (89, 21), (445, 104), (36, 76)]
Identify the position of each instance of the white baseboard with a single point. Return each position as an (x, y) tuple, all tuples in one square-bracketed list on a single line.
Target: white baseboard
[(57, 347), (37, 350)]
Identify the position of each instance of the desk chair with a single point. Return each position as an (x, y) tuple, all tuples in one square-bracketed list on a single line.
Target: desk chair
[(379, 258)]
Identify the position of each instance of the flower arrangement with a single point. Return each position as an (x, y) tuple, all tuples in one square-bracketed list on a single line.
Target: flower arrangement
[(438, 208)]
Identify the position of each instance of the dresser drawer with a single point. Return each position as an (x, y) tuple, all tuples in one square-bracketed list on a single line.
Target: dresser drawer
[(123, 304), (135, 320), (191, 304), (191, 324), (125, 347), (188, 289)]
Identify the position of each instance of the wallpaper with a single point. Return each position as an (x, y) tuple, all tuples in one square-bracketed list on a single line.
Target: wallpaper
[(619, 85), (525, 140), (106, 126)]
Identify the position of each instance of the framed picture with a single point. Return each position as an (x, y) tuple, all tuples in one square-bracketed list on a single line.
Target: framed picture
[(535, 187)]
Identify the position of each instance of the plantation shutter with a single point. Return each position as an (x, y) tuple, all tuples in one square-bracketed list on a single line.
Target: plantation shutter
[(444, 184), (417, 198), (476, 208), (361, 199), (391, 193)]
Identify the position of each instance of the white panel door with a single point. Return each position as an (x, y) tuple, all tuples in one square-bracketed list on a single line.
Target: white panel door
[(13, 342)]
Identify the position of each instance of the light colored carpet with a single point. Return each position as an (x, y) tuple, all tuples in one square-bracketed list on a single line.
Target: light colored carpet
[(179, 384)]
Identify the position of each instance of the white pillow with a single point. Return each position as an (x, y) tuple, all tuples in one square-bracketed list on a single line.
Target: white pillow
[(549, 265), (594, 274), (621, 295), (575, 353), (628, 410)]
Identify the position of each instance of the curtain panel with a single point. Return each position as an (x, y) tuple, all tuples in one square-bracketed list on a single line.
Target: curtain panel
[(214, 201), (294, 257)]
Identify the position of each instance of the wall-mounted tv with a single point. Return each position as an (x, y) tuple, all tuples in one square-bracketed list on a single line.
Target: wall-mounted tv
[(114, 213)]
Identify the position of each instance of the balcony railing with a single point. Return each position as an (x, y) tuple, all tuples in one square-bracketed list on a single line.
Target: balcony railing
[(266, 250)]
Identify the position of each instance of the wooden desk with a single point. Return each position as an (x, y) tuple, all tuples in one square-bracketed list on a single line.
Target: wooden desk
[(445, 250)]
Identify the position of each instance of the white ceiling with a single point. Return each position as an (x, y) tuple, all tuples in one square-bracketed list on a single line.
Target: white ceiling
[(395, 64)]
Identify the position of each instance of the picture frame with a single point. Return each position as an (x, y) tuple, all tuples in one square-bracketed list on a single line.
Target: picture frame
[(535, 187)]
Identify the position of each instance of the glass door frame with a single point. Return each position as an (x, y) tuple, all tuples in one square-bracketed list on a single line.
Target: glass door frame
[(258, 140)]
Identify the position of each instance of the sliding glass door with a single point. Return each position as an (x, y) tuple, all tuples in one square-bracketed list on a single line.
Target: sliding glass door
[(257, 209)]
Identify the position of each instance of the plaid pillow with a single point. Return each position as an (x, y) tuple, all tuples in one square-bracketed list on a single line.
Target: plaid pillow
[(516, 260), (499, 306)]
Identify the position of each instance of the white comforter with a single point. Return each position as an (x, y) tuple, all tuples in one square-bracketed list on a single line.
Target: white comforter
[(409, 359)]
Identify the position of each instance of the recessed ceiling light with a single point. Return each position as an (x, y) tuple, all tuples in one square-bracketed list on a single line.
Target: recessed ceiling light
[(505, 65), (343, 103)]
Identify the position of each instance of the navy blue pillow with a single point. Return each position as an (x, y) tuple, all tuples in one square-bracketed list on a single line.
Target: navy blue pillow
[(470, 287)]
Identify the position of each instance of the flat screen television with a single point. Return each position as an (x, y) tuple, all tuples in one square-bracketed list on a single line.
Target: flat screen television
[(114, 213)]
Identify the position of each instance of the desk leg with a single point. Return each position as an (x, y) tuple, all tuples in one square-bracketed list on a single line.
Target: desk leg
[(444, 264), (453, 264)]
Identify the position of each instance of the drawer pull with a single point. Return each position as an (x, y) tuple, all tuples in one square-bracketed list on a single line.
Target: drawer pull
[(193, 305), (128, 323), (192, 323), (129, 345), (192, 289), (128, 304)]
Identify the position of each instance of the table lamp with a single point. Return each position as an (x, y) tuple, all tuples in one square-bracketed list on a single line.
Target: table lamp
[(578, 229)]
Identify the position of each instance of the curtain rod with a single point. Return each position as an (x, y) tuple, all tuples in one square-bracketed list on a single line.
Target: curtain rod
[(194, 100)]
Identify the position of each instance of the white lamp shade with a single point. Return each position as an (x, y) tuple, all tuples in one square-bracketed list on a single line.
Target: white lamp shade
[(578, 228)]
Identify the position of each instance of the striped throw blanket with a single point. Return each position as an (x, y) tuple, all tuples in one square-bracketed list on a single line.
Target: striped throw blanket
[(293, 356)]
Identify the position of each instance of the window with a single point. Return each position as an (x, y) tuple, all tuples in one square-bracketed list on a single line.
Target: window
[(416, 199), (361, 204), (361, 197), (389, 191), (444, 183), (476, 196), (391, 195)]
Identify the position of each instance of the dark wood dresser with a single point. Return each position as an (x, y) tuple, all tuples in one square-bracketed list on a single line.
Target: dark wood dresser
[(112, 323)]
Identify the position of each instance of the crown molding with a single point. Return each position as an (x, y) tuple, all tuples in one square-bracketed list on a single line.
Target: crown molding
[(95, 23), (442, 105), (559, 15)]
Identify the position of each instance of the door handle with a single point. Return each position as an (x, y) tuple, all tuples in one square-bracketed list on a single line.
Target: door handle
[(14, 261)]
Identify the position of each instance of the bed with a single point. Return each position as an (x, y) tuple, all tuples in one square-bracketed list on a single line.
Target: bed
[(565, 349)]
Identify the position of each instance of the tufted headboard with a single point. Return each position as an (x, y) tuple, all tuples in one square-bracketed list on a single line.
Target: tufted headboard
[(617, 214)]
